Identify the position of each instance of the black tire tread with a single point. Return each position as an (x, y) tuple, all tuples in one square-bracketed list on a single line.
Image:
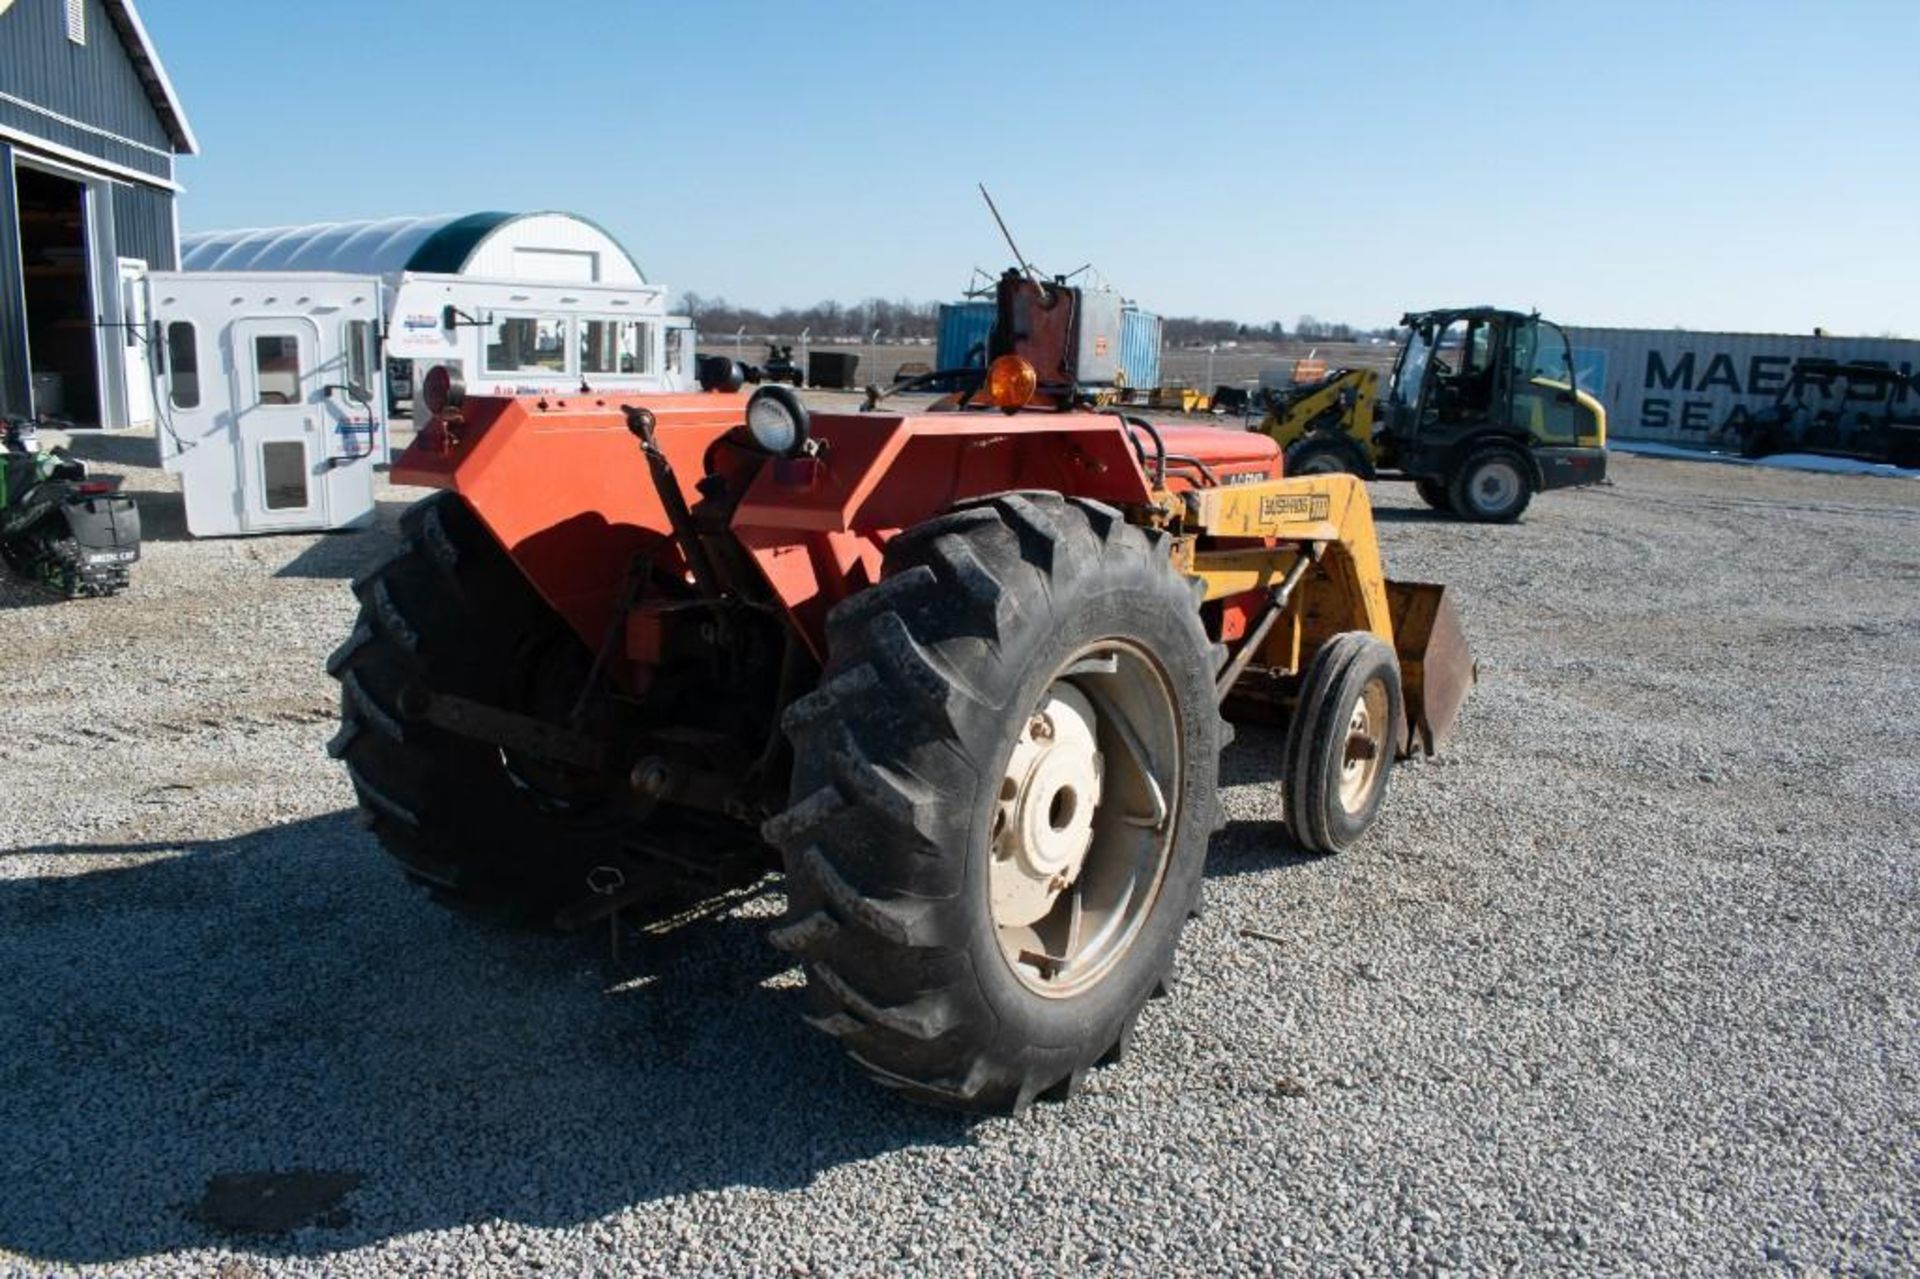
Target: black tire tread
[(435, 611), (1457, 484), (1322, 706), (867, 880)]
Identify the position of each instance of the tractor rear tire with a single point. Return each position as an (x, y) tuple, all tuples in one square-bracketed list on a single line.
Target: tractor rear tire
[(1434, 494), (1323, 453), (898, 843), (1342, 741), (1493, 485), (450, 613)]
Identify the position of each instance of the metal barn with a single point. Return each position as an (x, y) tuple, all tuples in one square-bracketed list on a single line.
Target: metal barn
[(90, 127)]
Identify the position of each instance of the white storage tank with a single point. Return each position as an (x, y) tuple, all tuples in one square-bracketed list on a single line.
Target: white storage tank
[(1678, 386)]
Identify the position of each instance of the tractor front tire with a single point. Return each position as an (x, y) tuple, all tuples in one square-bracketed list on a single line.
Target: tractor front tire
[(1004, 788), (1341, 741), (451, 614), (1493, 485)]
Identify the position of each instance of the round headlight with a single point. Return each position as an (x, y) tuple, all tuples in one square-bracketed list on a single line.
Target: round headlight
[(1011, 382), (441, 389), (777, 420)]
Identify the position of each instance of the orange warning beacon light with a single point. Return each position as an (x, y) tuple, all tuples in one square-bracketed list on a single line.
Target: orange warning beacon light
[(1011, 382)]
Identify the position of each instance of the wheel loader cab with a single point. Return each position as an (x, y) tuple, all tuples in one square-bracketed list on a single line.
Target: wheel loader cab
[(1471, 381)]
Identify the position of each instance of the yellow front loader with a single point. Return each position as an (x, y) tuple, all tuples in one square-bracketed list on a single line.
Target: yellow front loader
[(1482, 411)]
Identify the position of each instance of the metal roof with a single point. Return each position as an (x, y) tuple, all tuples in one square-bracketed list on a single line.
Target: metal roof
[(440, 243), (146, 63)]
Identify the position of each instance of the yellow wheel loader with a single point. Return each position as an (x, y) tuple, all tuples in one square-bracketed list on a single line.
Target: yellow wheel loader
[(1481, 411)]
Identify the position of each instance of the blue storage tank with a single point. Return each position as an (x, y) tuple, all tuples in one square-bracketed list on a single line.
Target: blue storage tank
[(1140, 348), (963, 327)]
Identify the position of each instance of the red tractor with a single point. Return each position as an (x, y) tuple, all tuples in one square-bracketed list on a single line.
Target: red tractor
[(959, 675)]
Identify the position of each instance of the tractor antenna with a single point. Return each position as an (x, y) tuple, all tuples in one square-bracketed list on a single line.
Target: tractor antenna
[(1017, 257)]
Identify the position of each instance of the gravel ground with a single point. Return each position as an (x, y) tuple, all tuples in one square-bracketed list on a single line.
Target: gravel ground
[(1625, 982)]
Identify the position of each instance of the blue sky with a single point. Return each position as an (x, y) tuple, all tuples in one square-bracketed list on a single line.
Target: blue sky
[(1738, 166)]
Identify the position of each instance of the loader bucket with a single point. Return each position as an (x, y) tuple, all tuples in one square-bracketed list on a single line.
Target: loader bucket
[(1436, 670)]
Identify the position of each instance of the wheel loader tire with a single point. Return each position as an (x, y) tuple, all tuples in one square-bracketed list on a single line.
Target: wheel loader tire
[(1340, 744), (1434, 494), (1324, 454), (904, 902), (1493, 485), (451, 614)]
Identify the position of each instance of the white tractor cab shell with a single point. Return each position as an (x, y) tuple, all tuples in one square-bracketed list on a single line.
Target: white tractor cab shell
[(514, 337), (269, 397), (265, 396)]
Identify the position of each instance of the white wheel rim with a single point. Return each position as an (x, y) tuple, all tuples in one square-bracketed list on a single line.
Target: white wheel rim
[(1364, 746), (1082, 827), (1496, 486)]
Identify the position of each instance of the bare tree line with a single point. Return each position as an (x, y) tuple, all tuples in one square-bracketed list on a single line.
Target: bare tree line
[(904, 320)]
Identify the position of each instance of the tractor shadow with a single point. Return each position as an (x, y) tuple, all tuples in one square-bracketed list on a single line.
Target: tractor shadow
[(344, 554), (1253, 844), (268, 1043), (1413, 515)]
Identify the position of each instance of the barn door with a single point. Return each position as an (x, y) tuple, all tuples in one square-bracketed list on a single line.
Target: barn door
[(135, 334)]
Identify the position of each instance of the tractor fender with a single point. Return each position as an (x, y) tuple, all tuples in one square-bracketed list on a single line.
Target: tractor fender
[(562, 485), (818, 526)]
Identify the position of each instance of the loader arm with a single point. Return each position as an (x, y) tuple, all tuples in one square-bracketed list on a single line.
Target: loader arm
[(1342, 402), (1329, 519)]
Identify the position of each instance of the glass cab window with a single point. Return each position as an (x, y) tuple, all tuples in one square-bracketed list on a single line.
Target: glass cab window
[(1542, 352), (597, 347), (620, 347), (1411, 372), (360, 355), (183, 366), (636, 347), (283, 468), (527, 344), (1544, 405), (276, 368), (1463, 368)]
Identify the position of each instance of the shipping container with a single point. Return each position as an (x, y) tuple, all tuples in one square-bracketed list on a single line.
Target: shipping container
[(1140, 340), (1690, 388), (964, 327)]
